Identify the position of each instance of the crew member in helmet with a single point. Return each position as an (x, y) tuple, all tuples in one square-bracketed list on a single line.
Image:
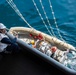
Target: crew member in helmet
[(7, 45)]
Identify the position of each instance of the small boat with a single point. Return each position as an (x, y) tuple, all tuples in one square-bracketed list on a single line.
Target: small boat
[(56, 52)]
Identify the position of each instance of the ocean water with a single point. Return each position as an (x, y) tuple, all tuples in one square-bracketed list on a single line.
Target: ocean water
[(65, 13)]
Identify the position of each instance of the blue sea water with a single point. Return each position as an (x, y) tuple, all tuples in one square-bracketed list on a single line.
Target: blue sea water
[(65, 13)]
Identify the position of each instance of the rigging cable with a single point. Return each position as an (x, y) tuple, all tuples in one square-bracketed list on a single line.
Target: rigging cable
[(41, 16), (47, 17), (11, 3), (55, 21)]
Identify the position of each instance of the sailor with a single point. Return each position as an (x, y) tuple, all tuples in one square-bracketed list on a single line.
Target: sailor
[(49, 52), (7, 45), (58, 54), (44, 46)]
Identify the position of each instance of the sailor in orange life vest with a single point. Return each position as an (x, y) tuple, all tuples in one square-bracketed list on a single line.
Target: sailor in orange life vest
[(7, 45)]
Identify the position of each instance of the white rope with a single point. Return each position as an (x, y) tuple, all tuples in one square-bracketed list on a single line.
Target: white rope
[(41, 16), (11, 3), (55, 21), (47, 17)]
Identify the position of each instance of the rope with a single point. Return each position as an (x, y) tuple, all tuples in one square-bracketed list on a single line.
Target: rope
[(41, 16), (11, 3), (55, 21), (47, 17)]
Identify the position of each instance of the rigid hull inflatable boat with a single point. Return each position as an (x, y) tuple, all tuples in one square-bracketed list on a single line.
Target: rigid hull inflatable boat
[(56, 52)]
